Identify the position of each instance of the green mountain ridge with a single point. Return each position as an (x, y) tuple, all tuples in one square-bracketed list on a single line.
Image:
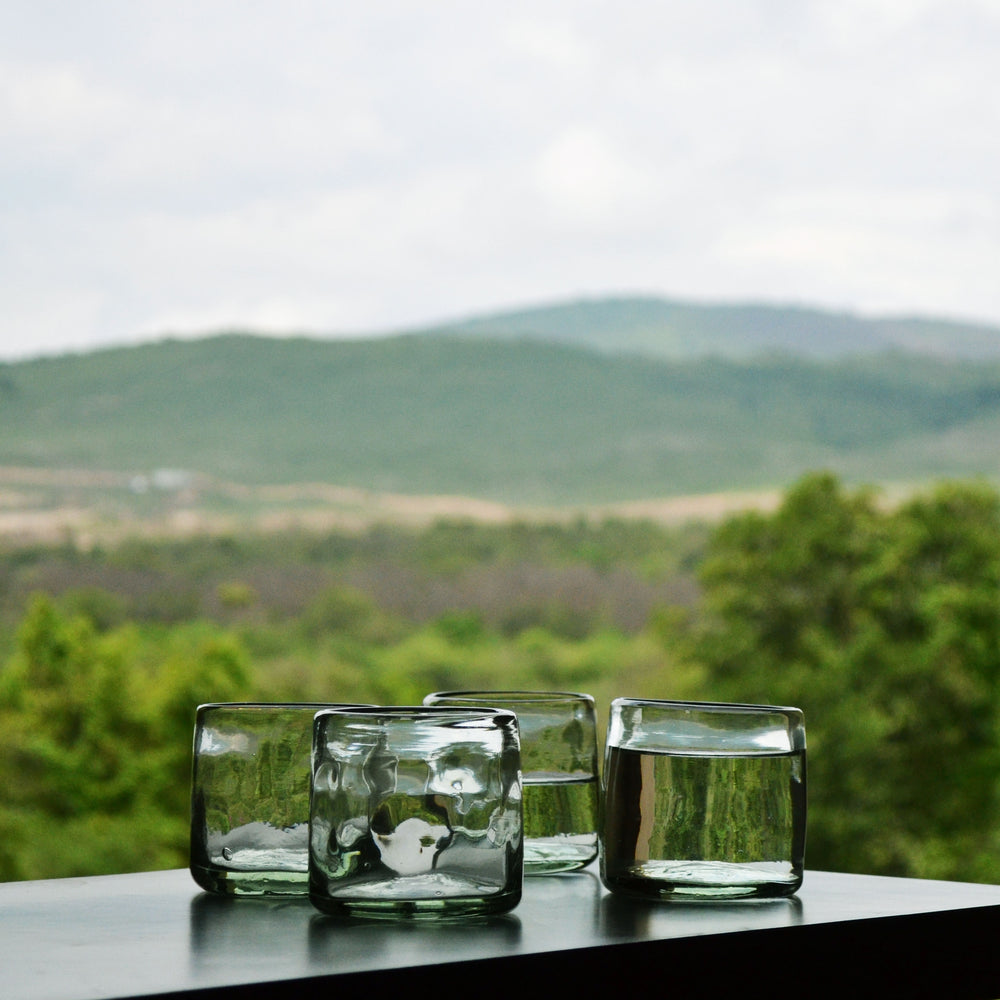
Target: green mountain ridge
[(518, 419), (680, 330)]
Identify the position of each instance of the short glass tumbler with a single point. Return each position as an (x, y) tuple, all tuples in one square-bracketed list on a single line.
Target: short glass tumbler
[(250, 797), (703, 800), (558, 770), (416, 812)]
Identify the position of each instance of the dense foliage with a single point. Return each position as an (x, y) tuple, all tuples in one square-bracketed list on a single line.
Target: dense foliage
[(881, 622), (106, 653), (884, 626)]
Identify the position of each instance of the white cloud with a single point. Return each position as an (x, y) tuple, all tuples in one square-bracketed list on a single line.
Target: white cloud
[(878, 249), (585, 178), (554, 43), (36, 321), (54, 110), (355, 167)]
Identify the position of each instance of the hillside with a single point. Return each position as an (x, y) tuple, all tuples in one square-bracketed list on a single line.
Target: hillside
[(518, 421), (683, 330)]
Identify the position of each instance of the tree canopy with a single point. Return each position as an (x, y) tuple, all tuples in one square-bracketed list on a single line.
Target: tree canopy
[(883, 624), (880, 620)]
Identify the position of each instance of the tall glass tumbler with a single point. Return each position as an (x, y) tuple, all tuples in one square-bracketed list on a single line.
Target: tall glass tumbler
[(250, 797), (416, 812), (703, 800), (559, 772)]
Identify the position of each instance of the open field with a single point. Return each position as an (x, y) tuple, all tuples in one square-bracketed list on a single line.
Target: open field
[(50, 506)]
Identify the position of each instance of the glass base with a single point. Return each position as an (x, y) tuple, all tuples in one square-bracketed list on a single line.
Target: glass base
[(425, 897), (704, 880), (551, 855), (226, 882)]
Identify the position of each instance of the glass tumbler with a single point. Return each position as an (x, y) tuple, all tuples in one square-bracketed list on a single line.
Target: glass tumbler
[(703, 800), (250, 797), (416, 812), (558, 770)]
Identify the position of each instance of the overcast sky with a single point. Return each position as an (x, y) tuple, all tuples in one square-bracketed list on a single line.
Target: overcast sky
[(181, 166)]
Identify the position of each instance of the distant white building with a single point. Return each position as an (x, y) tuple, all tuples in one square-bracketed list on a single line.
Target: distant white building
[(172, 480), (165, 480)]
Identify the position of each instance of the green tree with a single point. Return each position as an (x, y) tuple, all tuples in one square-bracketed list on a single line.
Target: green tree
[(95, 740), (884, 626)]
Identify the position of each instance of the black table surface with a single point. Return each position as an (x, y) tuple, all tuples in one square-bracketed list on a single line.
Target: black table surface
[(157, 933)]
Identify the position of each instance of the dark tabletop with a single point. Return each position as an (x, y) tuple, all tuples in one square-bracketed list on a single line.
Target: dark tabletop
[(157, 933)]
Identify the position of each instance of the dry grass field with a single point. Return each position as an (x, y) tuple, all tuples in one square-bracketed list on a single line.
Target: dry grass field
[(53, 506)]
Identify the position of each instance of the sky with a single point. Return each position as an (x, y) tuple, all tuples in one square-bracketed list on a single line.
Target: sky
[(180, 167)]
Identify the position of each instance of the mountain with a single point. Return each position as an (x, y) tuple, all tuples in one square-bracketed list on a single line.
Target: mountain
[(510, 418), (678, 330)]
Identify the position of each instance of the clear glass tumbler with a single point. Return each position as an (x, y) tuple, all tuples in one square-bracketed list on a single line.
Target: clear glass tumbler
[(703, 800), (416, 812), (250, 797), (558, 770)]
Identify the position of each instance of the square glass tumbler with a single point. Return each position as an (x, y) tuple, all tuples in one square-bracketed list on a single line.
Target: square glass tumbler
[(250, 797), (558, 770), (416, 812), (703, 800)]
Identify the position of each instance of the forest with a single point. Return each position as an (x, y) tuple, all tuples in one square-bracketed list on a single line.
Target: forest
[(880, 620)]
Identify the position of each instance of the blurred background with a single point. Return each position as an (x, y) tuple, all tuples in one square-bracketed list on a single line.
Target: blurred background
[(354, 352)]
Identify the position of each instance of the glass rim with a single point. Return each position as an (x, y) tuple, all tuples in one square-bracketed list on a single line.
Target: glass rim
[(521, 696), (215, 705), (415, 712), (746, 708)]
